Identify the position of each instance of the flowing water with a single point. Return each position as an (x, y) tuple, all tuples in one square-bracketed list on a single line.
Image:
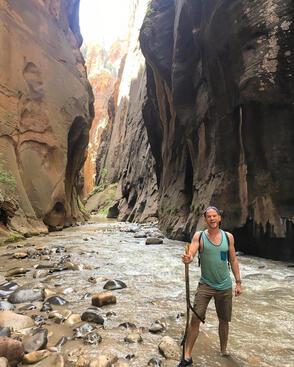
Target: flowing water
[(261, 331)]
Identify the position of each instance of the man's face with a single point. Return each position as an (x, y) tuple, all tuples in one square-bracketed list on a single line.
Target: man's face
[(212, 218)]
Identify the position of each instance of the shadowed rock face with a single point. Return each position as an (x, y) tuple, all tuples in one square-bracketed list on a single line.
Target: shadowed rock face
[(219, 117), (45, 112)]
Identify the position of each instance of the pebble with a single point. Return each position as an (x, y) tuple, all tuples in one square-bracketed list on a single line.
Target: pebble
[(56, 300), (156, 327), (20, 255), (83, 330), (35, 357), (154, 362), (114, 284), (92, 316), (103, 299), (133, 338), (16, 271), (92, 338)]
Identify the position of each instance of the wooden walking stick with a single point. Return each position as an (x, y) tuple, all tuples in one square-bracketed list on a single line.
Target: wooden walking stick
[(187, 302)]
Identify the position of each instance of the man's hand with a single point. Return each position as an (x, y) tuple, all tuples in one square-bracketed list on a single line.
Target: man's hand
[(187, 258), (238, 289)]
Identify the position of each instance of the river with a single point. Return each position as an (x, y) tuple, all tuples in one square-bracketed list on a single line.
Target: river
[(262, 327)]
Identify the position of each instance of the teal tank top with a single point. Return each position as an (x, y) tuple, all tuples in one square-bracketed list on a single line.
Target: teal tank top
[(214, 264)]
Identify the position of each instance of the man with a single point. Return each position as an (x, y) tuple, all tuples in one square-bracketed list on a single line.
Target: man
[(215, 280)]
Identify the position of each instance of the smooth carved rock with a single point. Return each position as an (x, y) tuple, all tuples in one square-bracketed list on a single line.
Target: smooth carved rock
[(14, 321), (11, 349), (114, 284), (169, 348), (103, 299)]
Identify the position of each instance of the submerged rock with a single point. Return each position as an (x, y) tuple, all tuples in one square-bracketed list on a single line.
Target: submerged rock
[(83, 330), (5, 331), (55, 300), (92, 316), (61, 341), (156, 327), (154, 241), (35, 342), (154, 362), (114, 284), (53, 360), (35, 357), (93, 338), (4, 305), (16, 271), (25, 295)]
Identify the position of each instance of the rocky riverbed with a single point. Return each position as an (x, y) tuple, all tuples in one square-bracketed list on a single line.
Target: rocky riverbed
[(112, 294)]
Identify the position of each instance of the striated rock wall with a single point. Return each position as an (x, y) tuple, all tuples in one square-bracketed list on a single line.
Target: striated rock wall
[(46, 110), (219, 117), (124, 154)]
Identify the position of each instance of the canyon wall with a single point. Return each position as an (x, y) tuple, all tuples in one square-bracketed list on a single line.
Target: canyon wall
[(46, 110), (124, 155), (219, 117)]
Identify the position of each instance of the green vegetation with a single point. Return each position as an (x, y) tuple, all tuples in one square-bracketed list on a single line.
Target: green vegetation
[(107, 199), (173, 210), (82, 208), (14, 238), (7, 181)]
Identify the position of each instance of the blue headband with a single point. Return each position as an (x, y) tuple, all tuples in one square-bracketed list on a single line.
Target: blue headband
[(211, 207)]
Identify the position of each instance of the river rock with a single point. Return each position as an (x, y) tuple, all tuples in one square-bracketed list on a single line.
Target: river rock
[(27, 307), (39, 273), (35, 342), (7, 288), (154, 362), (35, 357), (4, 305), (20, 255), (133, 338), (83, 330), (22, 295), (121, 363), (61, 341), (156, 327), (56, 300), (92, 316), (114, 284), (153, 241), (92, 338), (169, 348), (53, 360), (16, 271), (103, 299), (128, 325), (14, 321), (3, 362), (5, 331), (48, 293), (11, 349), (31, 252)]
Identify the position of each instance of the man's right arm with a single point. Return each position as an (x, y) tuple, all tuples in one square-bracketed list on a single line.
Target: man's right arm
[(188, 258)]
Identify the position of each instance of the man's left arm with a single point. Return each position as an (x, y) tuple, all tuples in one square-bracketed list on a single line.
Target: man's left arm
[(235, 265)]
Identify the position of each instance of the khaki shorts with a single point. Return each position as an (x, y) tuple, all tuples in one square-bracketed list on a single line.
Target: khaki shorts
[(222, 301)]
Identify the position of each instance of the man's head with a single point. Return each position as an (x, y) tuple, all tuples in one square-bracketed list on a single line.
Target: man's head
[(212, 217)]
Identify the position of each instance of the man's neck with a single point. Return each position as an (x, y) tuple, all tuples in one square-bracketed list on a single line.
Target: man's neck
[(213, 231)]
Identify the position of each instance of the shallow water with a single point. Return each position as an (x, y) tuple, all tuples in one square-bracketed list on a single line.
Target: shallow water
[(261, 332)]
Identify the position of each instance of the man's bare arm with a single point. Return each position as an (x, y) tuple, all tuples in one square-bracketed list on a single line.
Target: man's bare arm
[(188, 258), (235, 265)]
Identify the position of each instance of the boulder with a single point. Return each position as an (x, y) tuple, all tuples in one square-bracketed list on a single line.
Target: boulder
[(35, 342), (11, 349), (169, 348), (15, 321), (153, 241)]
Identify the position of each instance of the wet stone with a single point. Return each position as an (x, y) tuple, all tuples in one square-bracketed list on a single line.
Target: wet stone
[(35, 357), (16, 271), (20, 255), (128, 325), (83, 330), (60, 249), (92, 316), (169, 348), (153, 241), (154, 362), (54, 360), (39, 273), (5, 331), (61, 341), (156, 327), (7, 288), (4, 305), (35, 342), (31, 252), (39, 319), (133, 338), (140, 235), (23, 295), (46, 307), (56, 300), (114, 284), (92, 338), (14, 321), (28, 307), (103, 299)]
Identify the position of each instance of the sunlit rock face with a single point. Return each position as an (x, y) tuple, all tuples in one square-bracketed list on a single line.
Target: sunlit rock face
[(220, 117), (124, 154), (102, 68), (46, 109)]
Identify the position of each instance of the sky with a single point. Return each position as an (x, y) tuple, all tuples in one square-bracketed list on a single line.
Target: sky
[(104, 20)]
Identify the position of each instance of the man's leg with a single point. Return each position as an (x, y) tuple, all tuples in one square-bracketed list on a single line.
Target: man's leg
[(193, 332), (223, 331)]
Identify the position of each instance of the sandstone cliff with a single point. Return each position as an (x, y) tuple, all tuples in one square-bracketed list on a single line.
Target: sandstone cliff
[(219, 117), (46, 109), (124, 155)]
